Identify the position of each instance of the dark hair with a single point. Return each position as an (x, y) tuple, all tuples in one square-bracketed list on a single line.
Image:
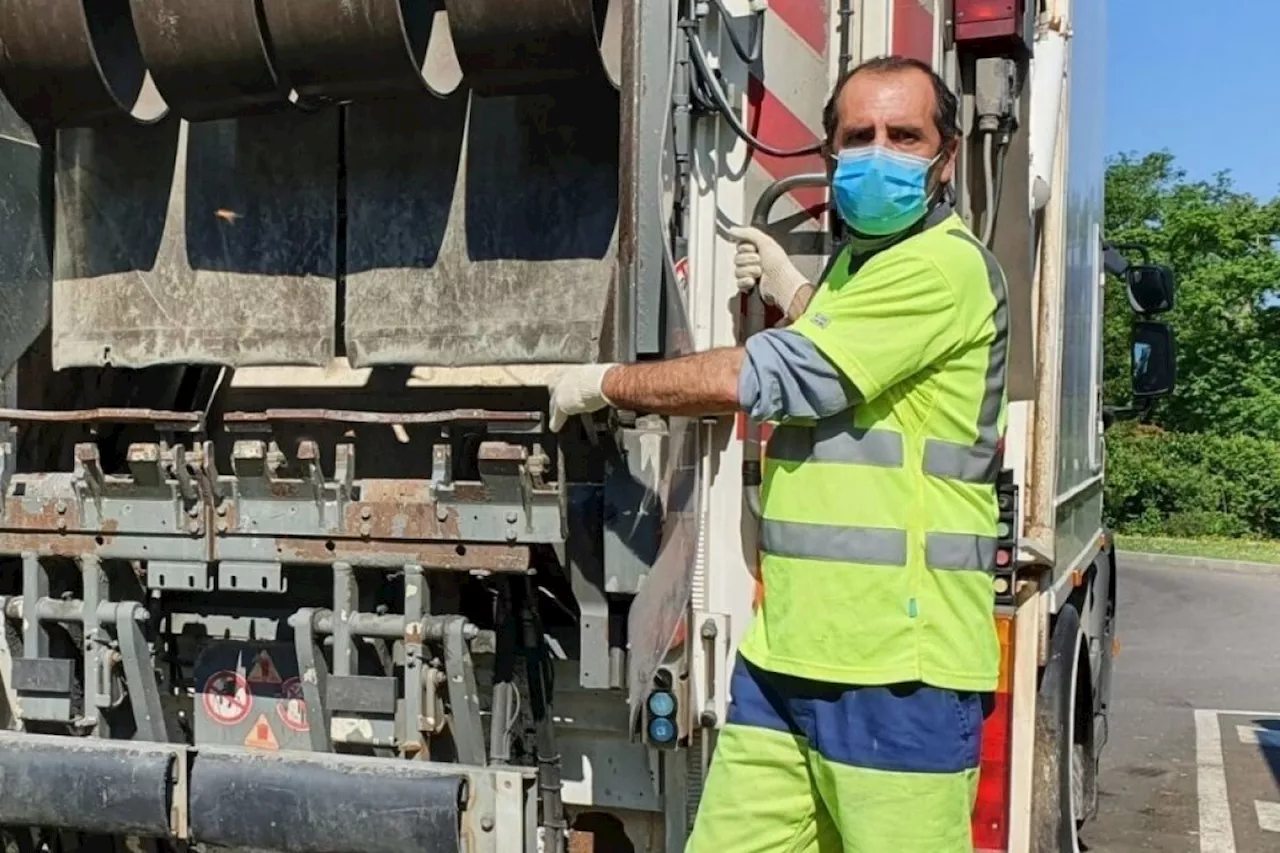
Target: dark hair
[(946, 107)]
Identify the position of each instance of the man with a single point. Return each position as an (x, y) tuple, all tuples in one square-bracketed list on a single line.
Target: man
[(857, 701)]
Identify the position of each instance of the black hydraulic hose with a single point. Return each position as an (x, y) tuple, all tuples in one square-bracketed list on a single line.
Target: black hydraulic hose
[(749, 55), (709, 87), (541, 690)]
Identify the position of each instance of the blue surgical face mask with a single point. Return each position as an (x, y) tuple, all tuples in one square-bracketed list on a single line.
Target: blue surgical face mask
[(880, 192)]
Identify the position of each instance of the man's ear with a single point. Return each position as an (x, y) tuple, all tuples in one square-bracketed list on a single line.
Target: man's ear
[(947, 161)]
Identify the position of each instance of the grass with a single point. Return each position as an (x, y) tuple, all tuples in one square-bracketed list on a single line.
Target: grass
[(1246, 550)]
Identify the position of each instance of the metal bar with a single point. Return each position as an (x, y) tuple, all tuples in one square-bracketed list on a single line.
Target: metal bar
[(346, 601), (192, 420), (314, 674), (770, 195), (586, 578), (348, 416), (416, 607), (69, 611), (97, 671), (35, 588), (502, 704), (139, 677), (464, 699), (389, 626)]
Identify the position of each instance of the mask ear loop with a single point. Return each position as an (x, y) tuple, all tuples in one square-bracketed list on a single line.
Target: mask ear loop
[(943, 193)]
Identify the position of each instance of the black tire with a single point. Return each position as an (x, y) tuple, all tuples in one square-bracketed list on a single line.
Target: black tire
[(1053, 822)]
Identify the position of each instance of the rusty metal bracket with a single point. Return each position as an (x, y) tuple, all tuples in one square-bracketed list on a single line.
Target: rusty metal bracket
[(464, 698), (139, 675), (348, 416), (161, 419)]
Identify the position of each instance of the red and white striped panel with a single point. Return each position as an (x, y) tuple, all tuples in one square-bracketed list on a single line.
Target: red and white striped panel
[(785, 98), (914, 28)]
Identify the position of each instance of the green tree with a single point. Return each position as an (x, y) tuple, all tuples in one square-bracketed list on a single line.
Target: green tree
[(1222, 244)]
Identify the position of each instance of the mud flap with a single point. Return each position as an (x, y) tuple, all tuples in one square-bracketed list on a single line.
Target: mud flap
[(105, 787), (310, 805)]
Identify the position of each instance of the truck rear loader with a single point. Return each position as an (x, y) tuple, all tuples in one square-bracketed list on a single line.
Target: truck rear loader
[(288, 557)]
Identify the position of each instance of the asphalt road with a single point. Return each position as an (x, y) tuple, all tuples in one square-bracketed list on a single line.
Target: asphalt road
[(1192, 764)]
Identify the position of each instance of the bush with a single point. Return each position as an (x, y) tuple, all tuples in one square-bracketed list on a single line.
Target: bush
[(1185, 484)]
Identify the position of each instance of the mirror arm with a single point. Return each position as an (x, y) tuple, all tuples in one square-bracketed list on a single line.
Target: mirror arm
[(1142, 250)]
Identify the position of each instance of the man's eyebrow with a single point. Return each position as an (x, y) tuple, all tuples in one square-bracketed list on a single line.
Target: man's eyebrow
[(908, 128), (856, 129)]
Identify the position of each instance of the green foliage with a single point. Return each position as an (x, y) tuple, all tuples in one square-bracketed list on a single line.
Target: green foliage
[(1222, 245), (1207, 461), (1184, 484)]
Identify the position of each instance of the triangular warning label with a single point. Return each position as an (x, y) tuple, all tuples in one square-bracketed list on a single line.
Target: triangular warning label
[(263, 670), (261, 736)]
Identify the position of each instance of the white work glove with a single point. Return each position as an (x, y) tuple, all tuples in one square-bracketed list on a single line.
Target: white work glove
[(760, 258), (578, 392)]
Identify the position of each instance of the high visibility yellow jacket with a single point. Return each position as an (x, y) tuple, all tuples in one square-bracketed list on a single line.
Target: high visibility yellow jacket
[(879, 524)]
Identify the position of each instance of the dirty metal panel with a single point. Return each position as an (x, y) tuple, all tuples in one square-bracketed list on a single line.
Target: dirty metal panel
[(211, 243), (483, 230), (26, 240)]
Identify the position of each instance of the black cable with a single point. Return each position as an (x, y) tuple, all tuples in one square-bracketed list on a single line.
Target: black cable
[(721, 105), (751, 56)]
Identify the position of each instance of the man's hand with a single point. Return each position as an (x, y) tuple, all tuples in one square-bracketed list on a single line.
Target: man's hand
[(578, 392), (761, 259)]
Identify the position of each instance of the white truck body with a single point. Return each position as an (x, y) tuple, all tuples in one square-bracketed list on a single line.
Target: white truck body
[(242, 234)]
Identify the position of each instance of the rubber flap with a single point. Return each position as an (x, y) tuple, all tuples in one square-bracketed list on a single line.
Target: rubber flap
[(322, 804), (98, 786)]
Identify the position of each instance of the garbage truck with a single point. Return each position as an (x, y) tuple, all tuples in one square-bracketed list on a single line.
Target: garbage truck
[(289, 559)]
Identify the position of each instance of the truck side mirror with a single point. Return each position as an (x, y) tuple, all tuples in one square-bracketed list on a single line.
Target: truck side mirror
[(1150, 288), (1153, 360)]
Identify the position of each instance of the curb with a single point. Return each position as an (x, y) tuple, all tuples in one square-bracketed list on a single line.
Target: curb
[(1177, 561)]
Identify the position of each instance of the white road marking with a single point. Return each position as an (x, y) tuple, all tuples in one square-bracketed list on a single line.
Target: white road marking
[(1268, 815), (1216, 834), (1265, 738)]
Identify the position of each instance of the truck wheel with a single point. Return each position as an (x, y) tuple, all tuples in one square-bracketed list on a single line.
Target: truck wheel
[(1057, 799)]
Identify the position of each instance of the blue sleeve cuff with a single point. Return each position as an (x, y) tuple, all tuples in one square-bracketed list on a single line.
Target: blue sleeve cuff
[(785, 377)]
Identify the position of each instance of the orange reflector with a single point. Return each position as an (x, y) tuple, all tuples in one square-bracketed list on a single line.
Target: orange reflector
[(990, 824), (1115, 647), (1004, 633)]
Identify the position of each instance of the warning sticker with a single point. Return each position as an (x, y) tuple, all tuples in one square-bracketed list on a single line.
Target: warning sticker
[(292, 708), (261, 736), (226, 698), (682, 274), (263, 670)]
